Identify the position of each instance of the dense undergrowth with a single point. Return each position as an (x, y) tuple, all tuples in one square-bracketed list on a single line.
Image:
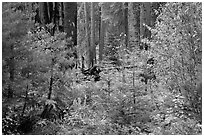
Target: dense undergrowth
[(125, 101), (98, 108)]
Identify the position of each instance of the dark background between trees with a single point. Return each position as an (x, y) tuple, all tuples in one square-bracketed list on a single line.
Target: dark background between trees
[(101, 68)]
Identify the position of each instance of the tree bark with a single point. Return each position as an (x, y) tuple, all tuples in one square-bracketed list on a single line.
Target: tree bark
[(136, 12), (37, 16), (50, 11), (70, 21), (56, 13), (102, 34), (93, 46), (44, 13), (145, 18), (61, 23), (126, 24), (87, 31)]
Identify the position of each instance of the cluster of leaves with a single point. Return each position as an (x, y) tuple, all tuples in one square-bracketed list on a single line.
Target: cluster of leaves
[(177, 47), (177, 44)]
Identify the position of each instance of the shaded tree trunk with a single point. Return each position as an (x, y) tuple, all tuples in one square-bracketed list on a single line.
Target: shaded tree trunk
[(37, 16), (51, 79), (87, 31), (50, 12), (70, 24), (56, 17), (44, 13), (145, 18), (61, 20), (93, 46), (126, 24), (70, 20), (102, 35), (136, 12)]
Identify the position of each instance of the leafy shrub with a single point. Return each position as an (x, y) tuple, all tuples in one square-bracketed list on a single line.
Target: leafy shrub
[(10, 125)]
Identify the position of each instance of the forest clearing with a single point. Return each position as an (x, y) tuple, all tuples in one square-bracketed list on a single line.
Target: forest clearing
[(101, 68)]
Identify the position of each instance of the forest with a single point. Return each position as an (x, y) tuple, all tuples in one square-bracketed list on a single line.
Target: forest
[(101, 68)]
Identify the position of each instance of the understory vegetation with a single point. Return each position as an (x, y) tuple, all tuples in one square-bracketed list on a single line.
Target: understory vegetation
[(47, 88)]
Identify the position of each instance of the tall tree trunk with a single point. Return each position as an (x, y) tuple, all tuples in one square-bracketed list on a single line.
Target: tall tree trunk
[(56, 13), (37, 16), (126, 24), (136, 13), (50, 12), (55, 19), (87, 31), (102, 34), (145, 18), (99, 23), (44, 13), (70, 20), (61, 22), (93, 46)]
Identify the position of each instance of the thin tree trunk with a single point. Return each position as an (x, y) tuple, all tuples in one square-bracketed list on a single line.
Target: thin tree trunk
[(87, 32), (136, 9), (61, 23), (134, 91), (102, 34), (93, 46), (99, 23), (56, 14), (46, 110), (51, 80), (126, 24), (145, 18), (26, 98)]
